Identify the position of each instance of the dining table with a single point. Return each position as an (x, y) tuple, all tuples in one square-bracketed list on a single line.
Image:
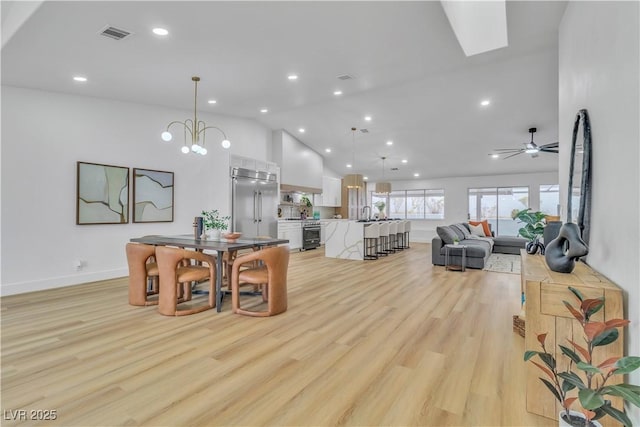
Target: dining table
[(220, 246)]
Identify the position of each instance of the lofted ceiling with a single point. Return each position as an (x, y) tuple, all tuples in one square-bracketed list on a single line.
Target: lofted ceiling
[(410, 74)]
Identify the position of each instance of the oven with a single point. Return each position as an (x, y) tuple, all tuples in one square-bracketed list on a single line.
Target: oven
[(310, 235)]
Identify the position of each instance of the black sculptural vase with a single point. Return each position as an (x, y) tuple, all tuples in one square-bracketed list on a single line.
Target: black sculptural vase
[(571, 244), (562, 252)]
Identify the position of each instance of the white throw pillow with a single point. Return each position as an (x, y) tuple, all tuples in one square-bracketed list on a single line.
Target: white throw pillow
[(477, 230)]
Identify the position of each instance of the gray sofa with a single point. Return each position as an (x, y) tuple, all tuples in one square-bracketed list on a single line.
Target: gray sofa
[(478, 248)]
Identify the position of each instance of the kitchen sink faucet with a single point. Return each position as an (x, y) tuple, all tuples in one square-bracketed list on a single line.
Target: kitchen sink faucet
[(368, 209)]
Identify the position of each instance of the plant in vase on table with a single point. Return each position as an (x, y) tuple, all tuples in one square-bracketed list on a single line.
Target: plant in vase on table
[(214, 222), (532, 230), (592, 385)]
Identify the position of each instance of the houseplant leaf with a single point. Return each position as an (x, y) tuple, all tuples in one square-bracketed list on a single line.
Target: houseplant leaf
[(616, 323), (570, 353), (577, 293), (588, 368), (623, 392), (618, 415), (583, 351), (627, 364), (590, 399), (573, 311), (573, 378), (548, 360), (529, 354), (552, 388), (607, 337), (593, 329)]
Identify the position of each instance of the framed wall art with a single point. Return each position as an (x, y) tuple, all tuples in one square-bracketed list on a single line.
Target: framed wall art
[(102, 194), (152, 196)]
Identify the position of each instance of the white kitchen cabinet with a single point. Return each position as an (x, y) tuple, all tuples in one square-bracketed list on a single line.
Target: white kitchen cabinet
[(292, 231), (331, 192)]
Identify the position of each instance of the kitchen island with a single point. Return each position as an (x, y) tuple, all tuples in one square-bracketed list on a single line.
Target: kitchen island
[(345, 239)]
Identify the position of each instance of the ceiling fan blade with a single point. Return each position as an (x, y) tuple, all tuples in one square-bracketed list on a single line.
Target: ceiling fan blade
[(507, 150), (550, 145), (508, 157), (549, 150), (534, 155)]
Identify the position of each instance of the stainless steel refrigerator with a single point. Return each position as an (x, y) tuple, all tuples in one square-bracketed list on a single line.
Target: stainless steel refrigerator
[(254, 202)]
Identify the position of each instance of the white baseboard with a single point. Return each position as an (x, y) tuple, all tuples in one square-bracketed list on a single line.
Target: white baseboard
[(60, 282)]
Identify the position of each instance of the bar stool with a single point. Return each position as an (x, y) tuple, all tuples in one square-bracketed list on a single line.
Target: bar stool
[(407, 230), (391, 242), (384, 239), (371, 236), (400, 236)]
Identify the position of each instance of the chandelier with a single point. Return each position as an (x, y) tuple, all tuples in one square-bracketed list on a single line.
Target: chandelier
[(383, 187), (353, 180), (196, 128)]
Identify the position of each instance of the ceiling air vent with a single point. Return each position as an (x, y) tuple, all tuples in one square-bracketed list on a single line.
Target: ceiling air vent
[(364, 130), (115, 33), (394, 169), (345, 77)]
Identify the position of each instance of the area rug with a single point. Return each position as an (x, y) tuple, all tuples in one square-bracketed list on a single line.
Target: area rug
[(503, 263)]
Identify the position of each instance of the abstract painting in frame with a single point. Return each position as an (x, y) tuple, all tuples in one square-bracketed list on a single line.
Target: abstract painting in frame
[(102, 195), (152, 196)]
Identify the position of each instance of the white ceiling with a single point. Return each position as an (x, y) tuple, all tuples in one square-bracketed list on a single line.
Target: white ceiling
[(410, 74)]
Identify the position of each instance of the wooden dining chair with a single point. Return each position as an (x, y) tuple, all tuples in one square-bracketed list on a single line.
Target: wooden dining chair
[(143, 274), (271, 273), (176, 271)]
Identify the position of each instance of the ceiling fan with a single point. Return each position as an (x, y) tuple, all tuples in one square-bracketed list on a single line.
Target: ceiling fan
[(530, 148)]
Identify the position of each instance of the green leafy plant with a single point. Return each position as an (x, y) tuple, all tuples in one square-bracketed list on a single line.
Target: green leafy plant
[(304, 200), (380, 205), (534, 223), (213, 221), (592, 392)]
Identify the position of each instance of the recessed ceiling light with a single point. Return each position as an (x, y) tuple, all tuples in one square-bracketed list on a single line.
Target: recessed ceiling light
[(495, 156), (404, 160), (292, 77), (389, 142), (264, 110), (301, 130), (80, 79), (416, 174), (485, 102), (328, 150), (337, 93), (160, 31), (348, 165), (212, 101), (365, 177), (367, 118)]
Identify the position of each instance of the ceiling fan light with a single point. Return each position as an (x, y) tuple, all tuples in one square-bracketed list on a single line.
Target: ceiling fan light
[(531, 150)]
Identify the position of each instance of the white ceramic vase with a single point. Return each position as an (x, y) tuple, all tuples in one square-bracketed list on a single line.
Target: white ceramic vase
[(563, 423), (214, 234)]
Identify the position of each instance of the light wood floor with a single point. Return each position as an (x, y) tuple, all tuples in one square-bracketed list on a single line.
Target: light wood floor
[(390, 342)]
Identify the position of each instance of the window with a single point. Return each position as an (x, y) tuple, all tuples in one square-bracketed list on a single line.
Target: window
[(496, 205), (549, 199), (411, 204)]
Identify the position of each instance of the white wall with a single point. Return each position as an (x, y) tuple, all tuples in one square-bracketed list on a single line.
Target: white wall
[(599, 57), (45, 134), (456, 200)]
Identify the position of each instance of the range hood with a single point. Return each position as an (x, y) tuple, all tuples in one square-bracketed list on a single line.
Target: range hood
[(286, 188)]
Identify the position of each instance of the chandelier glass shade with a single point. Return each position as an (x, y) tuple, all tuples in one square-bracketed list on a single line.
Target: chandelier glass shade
[(354, 180), (383, 187), (196, 129)]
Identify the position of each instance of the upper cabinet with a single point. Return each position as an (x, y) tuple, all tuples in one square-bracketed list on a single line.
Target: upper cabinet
[(300, 166), (331, 192)]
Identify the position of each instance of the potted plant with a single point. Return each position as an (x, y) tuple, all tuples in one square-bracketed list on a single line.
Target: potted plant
[(592, 392), (380, 205), (532, 230), (456, 241), (214, 222)]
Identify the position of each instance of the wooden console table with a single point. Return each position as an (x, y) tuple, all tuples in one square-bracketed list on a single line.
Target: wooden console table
[(544, 311)]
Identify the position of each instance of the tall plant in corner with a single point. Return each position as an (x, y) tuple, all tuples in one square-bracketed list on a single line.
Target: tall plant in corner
[(533, 228), (592, 392)]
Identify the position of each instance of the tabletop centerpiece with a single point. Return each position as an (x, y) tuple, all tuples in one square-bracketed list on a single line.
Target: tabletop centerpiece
[(214, 224)]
